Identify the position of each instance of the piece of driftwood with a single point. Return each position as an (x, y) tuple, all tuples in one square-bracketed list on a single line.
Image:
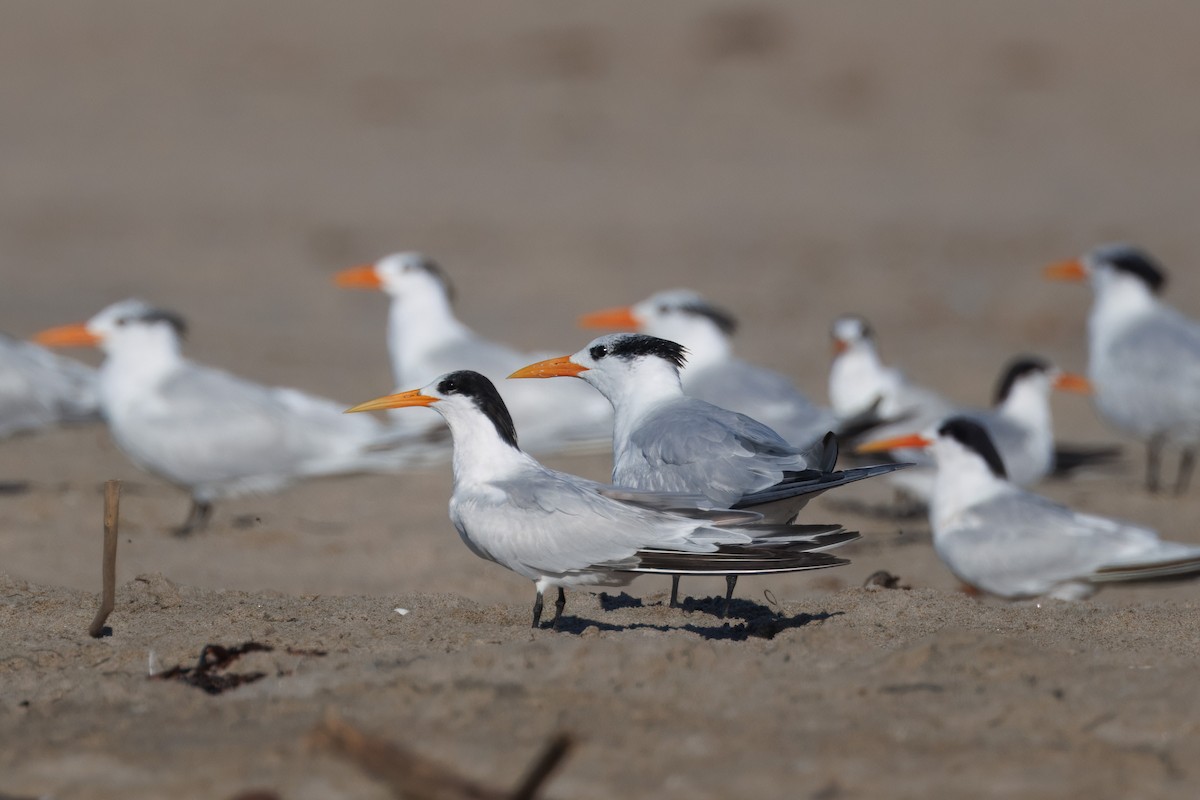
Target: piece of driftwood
[(415, 777), (108, 596)]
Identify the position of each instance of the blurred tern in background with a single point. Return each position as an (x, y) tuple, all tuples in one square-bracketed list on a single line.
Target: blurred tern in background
[(1143, 355), (563, 531), (39, 388), (1019, 422), (426, 339), (667, 441), (206, 431), (1005, 541), (713, 373)]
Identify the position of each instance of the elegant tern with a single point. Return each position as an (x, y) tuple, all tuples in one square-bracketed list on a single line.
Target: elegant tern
[(426, 338), (562, 531), (667, 441), (1003, 540), (713, 373), (1143, 355), (209, 432), (39, 388)]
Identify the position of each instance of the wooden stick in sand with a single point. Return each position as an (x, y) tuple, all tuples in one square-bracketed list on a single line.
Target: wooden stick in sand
[(112, 505), (416, 777)]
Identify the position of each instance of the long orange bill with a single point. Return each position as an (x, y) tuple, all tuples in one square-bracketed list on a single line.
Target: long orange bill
[(559, 367), (1070, 382), (401, 400), (76, 335), (1066, 271), (912, 441), (620, 318), (360, 277), (839, 347)]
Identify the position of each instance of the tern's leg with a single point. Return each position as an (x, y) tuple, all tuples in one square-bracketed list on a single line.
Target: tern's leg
[(559, 605), (1153, 461), (537, 609), (1186, 462), (730, 583), (197, 518), (674, 591)]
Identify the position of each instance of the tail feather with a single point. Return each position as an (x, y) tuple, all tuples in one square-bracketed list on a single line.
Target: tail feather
[(732, 560), (1175, 568), (811, 482)]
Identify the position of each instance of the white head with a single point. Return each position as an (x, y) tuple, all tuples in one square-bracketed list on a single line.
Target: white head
[(850, 331), (409, 276), (677, 315), (620, 365), (128, 326), (1110, 268)]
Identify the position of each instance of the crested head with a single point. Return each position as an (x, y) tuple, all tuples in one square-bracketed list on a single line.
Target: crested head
[(398, 269), (686, 304), (480, 391), (135, 312), (1130, 260), (973, 437), (636, 346), (1017, 369), (850, 328)]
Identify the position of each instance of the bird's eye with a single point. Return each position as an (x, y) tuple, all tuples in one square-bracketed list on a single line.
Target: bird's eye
[(120, 323), (598, 352), (664, 309)]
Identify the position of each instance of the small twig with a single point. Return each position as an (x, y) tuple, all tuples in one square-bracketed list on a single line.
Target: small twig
[(112, 506), (552, 754), (416, 777)]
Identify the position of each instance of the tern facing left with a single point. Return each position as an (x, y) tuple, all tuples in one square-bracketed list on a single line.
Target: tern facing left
[(1143, 355), (563, 531), (713, 372), (209, 432), (1003, 540)]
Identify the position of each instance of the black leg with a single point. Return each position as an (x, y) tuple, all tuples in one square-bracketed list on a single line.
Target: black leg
[(559, 605), (197, 518), (1153, 460), (537, 609), (674, 591), (1186, 462), (730, 583)]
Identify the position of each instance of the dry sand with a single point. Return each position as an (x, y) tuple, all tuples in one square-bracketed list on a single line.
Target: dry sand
[(914, 162)]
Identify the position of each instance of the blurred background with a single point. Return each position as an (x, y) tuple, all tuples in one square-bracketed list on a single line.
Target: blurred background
[(917, 163)]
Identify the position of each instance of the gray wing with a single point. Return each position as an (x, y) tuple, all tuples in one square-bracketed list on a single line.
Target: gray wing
[(40, 388), (764, 395), (1019, 544), (206, 426), (693, 446), (1156, 367)]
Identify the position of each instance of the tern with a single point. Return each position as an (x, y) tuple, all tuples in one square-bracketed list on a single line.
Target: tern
[(39, 388), (206, 431), (562, 531), (713, 373), (1003, 540), (1143, 355), (667, 441), (426, 339)]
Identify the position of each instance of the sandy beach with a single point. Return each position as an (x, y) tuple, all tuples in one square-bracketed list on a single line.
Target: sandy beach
[(916, 163)]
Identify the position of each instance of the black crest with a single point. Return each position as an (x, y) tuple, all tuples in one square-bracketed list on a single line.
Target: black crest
[(717, 316), (971, 435), (483, 392), (1018, 368), (154, 315), (1134, 261), (634, 345), (427, 264)]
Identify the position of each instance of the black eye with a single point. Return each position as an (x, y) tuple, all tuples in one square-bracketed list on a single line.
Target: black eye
[(120, 323), (448, 386), (598, 352), (664, 309)]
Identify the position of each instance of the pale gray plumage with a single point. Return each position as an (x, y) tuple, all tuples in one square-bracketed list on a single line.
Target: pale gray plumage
[(39, 388)]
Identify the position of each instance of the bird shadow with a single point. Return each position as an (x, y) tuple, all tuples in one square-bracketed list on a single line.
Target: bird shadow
[(747, 619)]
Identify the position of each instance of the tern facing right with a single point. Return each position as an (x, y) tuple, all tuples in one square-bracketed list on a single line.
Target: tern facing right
[(1003, 540), (563, 531), (1143, 355)]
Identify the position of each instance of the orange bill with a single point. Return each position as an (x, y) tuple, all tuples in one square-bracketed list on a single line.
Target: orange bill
[(839, 347), (1070, 382), (76, 335), (363, 276), (1066, 271), (559, 367), (401, 400), (911, 442), (620, 318)]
